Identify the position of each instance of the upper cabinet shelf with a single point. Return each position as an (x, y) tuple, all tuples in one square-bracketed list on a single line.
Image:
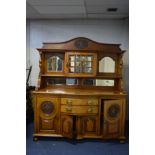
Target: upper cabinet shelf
[(105, 76)]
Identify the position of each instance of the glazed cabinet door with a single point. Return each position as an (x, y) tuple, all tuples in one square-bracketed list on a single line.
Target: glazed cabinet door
[(67, 126), (47, 119), (80, 63), (113, 118), (88, 126)]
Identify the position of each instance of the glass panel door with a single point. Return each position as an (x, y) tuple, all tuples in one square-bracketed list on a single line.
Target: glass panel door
[(80, 64)]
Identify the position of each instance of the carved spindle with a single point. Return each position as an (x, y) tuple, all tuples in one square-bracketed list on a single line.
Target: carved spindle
[(38, 83), (120, 64), (40, 72), (121, 85)]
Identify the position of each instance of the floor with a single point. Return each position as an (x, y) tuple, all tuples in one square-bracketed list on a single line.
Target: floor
[(62, 146)]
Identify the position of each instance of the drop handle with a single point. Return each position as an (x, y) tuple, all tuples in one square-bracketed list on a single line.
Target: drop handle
[(69, 102), (90, 110), (68, 109), (90, 102)]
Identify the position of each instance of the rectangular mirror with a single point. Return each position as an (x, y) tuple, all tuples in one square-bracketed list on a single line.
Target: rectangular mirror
[(61, 81), (99, 82), (109, 83), (71, 81), (55, 81)]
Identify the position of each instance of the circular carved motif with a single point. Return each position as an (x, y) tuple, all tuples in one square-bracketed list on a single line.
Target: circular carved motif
[(113, 111), (80, 44), (47, 107)]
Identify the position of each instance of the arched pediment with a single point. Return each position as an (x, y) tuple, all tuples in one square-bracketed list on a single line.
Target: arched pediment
[(81, 44)]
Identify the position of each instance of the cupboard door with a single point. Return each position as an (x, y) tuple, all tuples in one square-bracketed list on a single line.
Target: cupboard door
[(113, 119), (48, 115), (67, 126), (89, 126)]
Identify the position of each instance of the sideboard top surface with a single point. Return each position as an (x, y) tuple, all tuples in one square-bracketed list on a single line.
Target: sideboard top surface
[(80, 92)]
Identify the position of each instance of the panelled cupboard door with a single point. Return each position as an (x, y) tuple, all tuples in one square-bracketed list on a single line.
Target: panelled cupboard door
[(89, 125), (113, 119), (67, 126), (48, 119)]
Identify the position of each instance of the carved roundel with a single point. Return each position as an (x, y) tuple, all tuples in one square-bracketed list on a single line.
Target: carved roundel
[(81, 44), (113, 111), (47, 107), (48, 110)]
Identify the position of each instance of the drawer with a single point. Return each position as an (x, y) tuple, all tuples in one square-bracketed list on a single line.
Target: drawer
[(75, 101), (79, 109)]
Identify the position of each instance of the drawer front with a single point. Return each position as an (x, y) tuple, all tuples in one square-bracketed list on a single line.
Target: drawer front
[(79, 109), (75, 102)]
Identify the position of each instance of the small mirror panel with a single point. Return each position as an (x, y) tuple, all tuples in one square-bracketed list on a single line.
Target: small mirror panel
[(54, 64), (55, 81), (89, 82), (99, 82), (61, 81), (107, 65), (71, 81)]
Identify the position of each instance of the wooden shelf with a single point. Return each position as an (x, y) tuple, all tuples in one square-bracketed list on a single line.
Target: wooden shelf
[(68, 91), (52, 75), (91, 77), (108, 76)]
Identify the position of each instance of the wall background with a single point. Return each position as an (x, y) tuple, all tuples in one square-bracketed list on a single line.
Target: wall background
[(106, 31)]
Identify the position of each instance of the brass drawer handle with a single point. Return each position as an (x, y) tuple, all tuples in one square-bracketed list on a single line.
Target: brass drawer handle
[(90, 102), (68, 109), (69, 102), (90, 110)]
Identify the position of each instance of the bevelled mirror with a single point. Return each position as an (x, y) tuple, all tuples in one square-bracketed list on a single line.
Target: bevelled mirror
[(71, 81), (54, 64), (107, 65), (106, 82), (99, 82), (55, 81)]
